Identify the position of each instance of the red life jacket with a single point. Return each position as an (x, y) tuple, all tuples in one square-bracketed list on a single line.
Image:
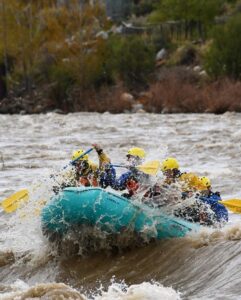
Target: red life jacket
[(132, 186)]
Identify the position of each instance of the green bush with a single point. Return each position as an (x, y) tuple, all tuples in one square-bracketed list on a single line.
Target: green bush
[(160, 39), (100, 66), (186, 54), (62, 79), (224, 54), (89, 69), (134, 59)]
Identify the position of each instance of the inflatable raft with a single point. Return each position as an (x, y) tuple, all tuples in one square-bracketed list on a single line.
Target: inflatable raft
[(110, 213)]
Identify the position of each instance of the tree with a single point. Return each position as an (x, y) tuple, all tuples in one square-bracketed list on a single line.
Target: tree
[(21, 39), (200, 13)]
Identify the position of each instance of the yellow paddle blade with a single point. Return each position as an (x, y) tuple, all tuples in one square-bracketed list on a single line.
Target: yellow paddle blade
[(13, 202), (150, 168), (232, 204)]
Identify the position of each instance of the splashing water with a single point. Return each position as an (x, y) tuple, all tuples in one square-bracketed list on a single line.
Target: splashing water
[(202, 266), (118, 291)]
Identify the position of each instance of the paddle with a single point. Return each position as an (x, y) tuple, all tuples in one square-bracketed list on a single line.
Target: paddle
[(150, 168), (12, 203), (72, 162), (232, 204)]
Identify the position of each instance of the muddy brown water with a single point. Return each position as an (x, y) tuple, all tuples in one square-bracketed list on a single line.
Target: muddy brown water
[(206, 265)]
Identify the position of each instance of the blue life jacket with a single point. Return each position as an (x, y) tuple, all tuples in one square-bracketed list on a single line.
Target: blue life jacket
[(138, 176), (121, 182), (219, 209), (107, 177)]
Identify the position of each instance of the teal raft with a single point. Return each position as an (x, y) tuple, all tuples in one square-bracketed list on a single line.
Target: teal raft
[(110, 213)]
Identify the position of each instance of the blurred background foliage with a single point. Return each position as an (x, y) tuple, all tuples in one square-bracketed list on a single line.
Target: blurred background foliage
[(72, 45)]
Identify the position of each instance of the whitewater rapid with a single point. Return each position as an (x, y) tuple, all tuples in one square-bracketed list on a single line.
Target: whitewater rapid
[(206, 265)]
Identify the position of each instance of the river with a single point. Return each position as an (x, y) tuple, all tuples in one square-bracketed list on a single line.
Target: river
[(204, 265)]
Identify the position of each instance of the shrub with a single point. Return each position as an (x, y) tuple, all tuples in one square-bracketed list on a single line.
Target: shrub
[(105, 99), (160, 39), (62, 80), (224, 55), (175, 92), (179, 94), (134, 59), (222, 95), (187, 54), (99, 65)]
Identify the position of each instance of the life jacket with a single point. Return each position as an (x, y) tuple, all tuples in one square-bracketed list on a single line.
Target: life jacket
[(107, 176), (106, 173), (132, 186), (88, 176), (220, 210), (84, 181)]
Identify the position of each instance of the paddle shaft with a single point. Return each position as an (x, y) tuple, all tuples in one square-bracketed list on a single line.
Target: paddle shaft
[(72, 162), (120, 166), (83, 154), (11, 204)]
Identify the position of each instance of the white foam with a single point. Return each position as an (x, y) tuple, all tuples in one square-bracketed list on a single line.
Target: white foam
[(143, 291), (117, 291)]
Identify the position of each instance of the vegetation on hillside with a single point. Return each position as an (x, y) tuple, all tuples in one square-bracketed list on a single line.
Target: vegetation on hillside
[(223, 57), (69, 56)]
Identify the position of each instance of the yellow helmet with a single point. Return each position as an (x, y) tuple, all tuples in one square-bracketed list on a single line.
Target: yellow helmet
[(77, 153), (169, 164), (204, 183), (139, 152)]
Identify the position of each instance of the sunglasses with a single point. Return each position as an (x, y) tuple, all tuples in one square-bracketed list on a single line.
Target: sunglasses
[(129, 156)]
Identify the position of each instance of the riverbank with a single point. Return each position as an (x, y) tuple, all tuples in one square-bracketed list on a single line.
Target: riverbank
[(175, 92)]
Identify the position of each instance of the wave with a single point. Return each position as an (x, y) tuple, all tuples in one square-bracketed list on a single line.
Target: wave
[(117, 291)]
